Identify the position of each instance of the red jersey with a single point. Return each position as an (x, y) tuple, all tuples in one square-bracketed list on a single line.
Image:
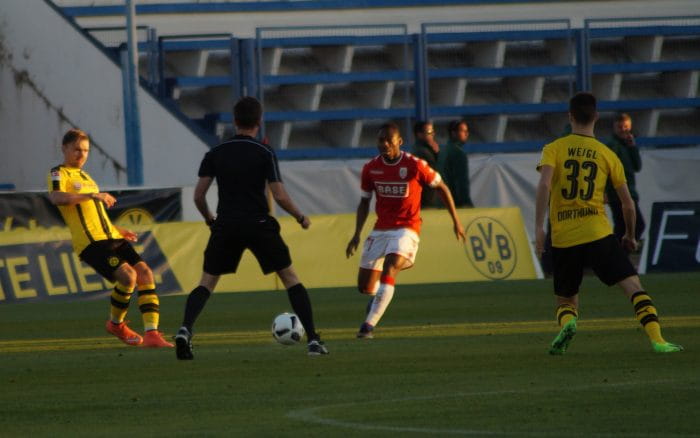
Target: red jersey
[(398, 187)]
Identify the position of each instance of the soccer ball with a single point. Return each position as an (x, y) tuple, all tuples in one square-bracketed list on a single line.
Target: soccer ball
[(287, 329)]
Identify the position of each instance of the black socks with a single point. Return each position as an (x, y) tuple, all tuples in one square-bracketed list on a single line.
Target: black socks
[(195, 303)]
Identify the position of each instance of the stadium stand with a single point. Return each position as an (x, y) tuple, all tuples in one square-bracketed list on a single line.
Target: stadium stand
[(327, 88)]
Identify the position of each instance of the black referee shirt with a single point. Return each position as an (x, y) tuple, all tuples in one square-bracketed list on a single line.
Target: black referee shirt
[(241, 166)]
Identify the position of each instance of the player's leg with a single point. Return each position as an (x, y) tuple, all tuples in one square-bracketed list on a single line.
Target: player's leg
[(398, 250), (368, 284), (371, 264), (149, 305), (148, 302), (125, 277), (103, 258), (196, 301), (612, 266), (125, 281), (299, 299), (221, 256), (567, 273), (647, 314), (368, 280), (393, 264), (106, 261), (301, 304), (268, 247), (567, 317)]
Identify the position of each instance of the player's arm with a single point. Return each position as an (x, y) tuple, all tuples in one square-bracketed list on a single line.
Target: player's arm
[(64, 198), (360, 219), (200, 198), (446, 198), (282, 198), (544, 188), (630, 215)]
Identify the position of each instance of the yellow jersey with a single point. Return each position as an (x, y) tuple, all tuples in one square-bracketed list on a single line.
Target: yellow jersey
[(88, 221), (582, 166)]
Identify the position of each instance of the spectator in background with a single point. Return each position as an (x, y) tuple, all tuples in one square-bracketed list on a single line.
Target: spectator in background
[(624, 146), (453, 163), (426, 148)]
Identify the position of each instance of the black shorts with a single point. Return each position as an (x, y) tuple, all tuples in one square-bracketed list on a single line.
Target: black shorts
[(106, 256), (228, 241), (605, 256)]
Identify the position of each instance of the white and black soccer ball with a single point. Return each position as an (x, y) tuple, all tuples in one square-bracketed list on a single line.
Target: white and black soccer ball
[(287, 329)]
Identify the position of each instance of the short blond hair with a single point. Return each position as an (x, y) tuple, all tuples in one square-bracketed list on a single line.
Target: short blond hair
[(73, 135)]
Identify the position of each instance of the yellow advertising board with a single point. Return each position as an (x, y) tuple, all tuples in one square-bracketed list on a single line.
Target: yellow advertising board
[(39, 263), (496, 248)]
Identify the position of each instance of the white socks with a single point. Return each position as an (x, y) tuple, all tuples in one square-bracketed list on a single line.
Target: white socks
[(381, 302)]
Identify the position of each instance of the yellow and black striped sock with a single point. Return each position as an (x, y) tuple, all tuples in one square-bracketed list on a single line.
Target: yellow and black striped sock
[(119, 302), (149, 306), (565, 313), (647, 316)]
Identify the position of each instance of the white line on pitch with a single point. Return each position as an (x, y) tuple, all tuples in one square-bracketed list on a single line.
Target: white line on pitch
[(311, 415)]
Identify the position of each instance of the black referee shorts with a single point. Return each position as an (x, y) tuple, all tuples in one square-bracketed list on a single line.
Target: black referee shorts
[(605, 256), (228, 241), (106, 256)]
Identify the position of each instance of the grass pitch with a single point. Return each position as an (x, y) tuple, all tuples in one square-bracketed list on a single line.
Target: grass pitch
[(454, 359)]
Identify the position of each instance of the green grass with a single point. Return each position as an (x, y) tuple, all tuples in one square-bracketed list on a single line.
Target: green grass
[(455, 359)]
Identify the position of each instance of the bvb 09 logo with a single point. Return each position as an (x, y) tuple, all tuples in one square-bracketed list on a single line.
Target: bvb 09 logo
[(134, 216), (490, 248)]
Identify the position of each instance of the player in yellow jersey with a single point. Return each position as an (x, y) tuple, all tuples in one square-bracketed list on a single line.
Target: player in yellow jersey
[(102, 245), (573, 172)]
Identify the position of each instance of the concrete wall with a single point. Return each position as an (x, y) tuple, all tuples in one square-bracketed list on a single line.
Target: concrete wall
[(52, 78)]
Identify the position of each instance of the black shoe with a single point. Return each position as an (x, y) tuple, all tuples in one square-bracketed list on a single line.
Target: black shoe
[(365, 331), (183, 344), (317, 348)]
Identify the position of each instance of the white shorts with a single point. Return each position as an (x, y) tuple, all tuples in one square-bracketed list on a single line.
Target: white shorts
[(402, 241)]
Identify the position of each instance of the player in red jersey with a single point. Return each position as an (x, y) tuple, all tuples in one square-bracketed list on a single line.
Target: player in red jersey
[(397, 178)]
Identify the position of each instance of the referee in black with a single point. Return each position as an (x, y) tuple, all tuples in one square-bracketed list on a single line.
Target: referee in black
[(241, 167)]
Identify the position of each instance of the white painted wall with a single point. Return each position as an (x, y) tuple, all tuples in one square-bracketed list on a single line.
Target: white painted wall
[(497, 180), (51, 79)]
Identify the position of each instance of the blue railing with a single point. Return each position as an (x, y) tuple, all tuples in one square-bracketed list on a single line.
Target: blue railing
[(272, 6), (245, 77)]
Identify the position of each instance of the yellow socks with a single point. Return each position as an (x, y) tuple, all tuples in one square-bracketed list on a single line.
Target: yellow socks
[(647, 316), (119, 302), (149, 306), (565, 313)]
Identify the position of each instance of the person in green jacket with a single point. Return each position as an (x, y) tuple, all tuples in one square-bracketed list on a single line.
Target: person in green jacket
[(453, 163), (427, 149), (625, 147)]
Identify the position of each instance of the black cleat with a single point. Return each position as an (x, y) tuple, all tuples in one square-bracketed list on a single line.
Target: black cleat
[(317, 348), (183, 344), (365, 331)]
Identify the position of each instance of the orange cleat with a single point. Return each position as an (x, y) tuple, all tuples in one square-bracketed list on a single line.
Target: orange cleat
[(124, 333), (154, 339)]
